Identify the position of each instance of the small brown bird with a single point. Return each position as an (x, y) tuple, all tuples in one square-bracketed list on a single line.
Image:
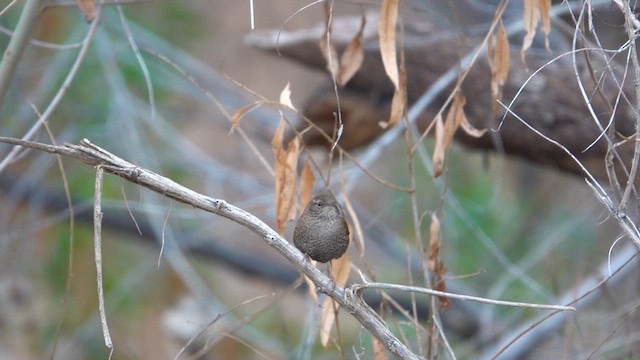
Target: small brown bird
[(321, 231)]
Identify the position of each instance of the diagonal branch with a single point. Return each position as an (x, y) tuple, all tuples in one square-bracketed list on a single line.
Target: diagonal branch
[(94, 155)]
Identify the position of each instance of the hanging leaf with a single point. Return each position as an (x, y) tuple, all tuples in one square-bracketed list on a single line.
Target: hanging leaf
[(307, 179), (444, 132), (544, 7), (340, 270), (499, 66), (440, 147), (352, 57), (399, 101), (533, 11), (387, 38), (434, 261), (356, 221), (285, 177), (240, 113), (379, 351)]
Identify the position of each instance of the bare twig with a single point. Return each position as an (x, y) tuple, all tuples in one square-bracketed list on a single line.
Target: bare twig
[(61, 92), (631, 26), (96, 156), (359, 287), (18, 43), (97, 244)]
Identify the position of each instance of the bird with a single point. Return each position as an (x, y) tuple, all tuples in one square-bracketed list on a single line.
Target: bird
[(321, 231)]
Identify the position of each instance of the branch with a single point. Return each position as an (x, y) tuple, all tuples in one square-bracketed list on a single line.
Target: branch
[(95, 156), (18, 43), (356, 288)]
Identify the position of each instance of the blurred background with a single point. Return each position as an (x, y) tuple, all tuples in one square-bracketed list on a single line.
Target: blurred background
[(157, 85)]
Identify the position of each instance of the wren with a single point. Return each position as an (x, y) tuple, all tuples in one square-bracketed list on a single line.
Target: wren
[(321, 231)]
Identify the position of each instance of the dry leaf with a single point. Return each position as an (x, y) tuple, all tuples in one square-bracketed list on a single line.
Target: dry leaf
[(354, 216), (434, 262), (307, 179), (340, 270), (352, 57), (499, 66), (533, 11), (88, 8), (285, 97), (545, 14), (387, 37), (312, 288), (379, 351), (445, 131), (440, 147), (470, 129), (285, 177), (399, 101), (239, 114)]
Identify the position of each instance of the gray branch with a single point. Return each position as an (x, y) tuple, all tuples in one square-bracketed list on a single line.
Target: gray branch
[(95, 156)]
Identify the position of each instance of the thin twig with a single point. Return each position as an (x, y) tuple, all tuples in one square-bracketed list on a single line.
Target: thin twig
[(632, 25), (359, 287), (97, 245), (18, 44), (61, 92)]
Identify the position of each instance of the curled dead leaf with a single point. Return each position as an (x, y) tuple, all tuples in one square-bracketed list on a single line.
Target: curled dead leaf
[(445, 131), (387, 38), (534, 10), (286, 176), (240, 113), (499, 66), (352, 57), (434, 261)]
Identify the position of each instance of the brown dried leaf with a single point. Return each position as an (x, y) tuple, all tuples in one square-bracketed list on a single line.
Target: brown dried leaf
[(387, 38), (533, 11), (499, 66), (289, 191), (340, 270), (352, 57), (399, 101), (312, 288), (434, 245), (440, 147), (434, 262), (545, 13), (356, 222), (285, 177), (530, 22), (88, 8), (379, 351), (444, 132), (307, 179), (285, 97), (239, 114), (470, 129)]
